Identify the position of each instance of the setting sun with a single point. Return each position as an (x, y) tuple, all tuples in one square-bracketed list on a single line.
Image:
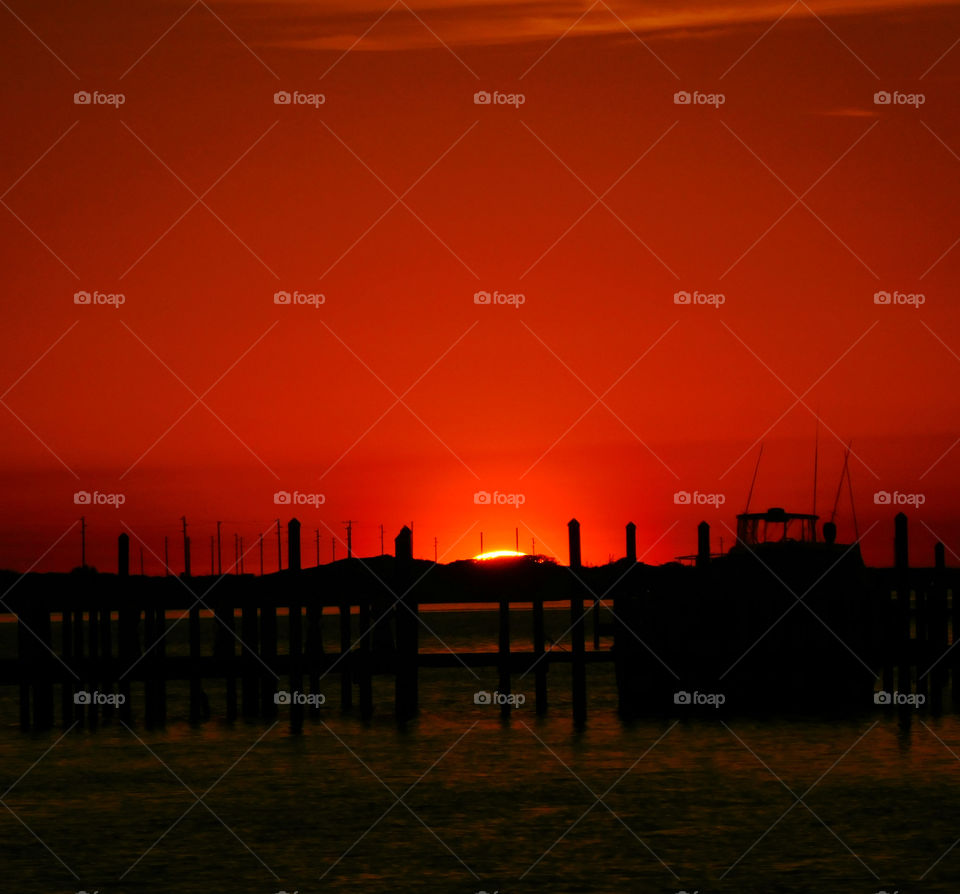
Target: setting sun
[(498, 554)]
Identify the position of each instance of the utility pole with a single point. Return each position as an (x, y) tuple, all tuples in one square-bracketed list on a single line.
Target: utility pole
[(186, 547), (434, 550), (279, 548), (517, 533), (481, 543), (316, 532), (241, 555), (350, 522), (533, 547), (219, 557), (83, 541), (333, 549), (212, 566)]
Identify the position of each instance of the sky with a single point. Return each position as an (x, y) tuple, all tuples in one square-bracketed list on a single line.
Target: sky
[(787, 199)]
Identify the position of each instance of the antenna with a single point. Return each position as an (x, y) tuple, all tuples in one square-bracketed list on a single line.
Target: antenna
[(816, 457), (350, 522), (846, 457), (756, 469), (853, 509)]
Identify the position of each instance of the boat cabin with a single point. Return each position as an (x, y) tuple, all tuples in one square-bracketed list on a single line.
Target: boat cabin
[(775, 526)]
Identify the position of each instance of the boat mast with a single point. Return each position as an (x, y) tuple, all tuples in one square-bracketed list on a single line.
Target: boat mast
[(756, 469)]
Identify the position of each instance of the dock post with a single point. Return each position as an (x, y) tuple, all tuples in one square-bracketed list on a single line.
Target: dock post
[(249, 666), (539, 656), (196, 686), (364, 657), (224, 638), (295, 623), (406, 699), (901, 555), (503, 658), (346, 676), (128, 623), (938, 628), (703, 544), (578, 668)]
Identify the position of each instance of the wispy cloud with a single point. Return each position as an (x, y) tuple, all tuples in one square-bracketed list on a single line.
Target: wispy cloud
[(311, 24)]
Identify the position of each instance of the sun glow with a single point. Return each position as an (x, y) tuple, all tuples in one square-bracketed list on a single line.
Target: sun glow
[(498, 554)]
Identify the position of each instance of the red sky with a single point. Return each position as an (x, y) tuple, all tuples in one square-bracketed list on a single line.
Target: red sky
[(797, 200)]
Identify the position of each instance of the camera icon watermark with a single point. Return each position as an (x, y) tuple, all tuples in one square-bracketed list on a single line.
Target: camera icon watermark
[(86, 498), (496, 98), (686, 498), (697, 98), (308, 699), (899, 699), (514, 699), (296, 498), (296, 98), (896, 98), (895, 498), (99, 699), (96, 98), (485, 498), (713, 699)]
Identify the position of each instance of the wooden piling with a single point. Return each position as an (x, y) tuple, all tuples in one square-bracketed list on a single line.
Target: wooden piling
[(539, 646), (346, 677), (578, 670), (406, 699), (503, 657)]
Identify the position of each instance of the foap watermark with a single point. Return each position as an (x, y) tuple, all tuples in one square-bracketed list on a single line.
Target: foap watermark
[(710, 299), (895, 498), (310, 699), (303, 299), (513, 299), (896, 98), (911, 699), (496, 98), (910, 299), (295, 498), (714, 699), (97, 98), (698, 98), (296, 98), (107, 299), (86, 498), (97, 699), (686, 498), (485, 498), (514, 699)]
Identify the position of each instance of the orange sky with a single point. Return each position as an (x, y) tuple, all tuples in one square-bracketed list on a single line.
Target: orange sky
[(596, 199)]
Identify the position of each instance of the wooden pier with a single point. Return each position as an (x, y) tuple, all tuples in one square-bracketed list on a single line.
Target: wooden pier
[(112, 631)]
